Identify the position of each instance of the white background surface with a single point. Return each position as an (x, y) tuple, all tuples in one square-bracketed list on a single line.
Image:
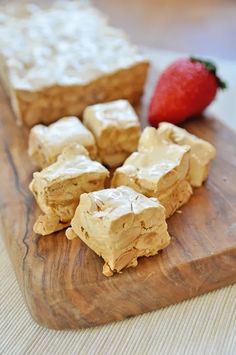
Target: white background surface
[(204, 325)]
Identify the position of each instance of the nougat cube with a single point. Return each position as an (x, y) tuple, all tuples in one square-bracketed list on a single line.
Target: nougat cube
[(201, 152), (158, 169), (47, 142), (120, 225), (58, 187), (116, 128)]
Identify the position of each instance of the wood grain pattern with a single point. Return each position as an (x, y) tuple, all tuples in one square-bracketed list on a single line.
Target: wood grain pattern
[(62, 281)]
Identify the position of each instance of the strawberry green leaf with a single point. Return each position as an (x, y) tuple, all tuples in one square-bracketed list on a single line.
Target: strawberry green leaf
[(211, 67)]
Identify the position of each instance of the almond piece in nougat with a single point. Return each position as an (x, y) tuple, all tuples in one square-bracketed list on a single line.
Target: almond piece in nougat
[(120, 225), (158, 169), (116, 128), (58, 187), (46, 143), (201, 153)]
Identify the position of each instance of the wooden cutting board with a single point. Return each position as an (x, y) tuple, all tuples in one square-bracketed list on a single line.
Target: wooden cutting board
[(62, 280)]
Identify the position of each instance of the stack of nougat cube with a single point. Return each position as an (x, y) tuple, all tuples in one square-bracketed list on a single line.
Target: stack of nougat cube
[(154, 176)]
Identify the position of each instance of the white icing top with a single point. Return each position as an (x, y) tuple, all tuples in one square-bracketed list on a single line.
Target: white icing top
[(201, 150), (65, 131), (119, 114), (114, 203), (69, 43), (73, 162), (157, 163)]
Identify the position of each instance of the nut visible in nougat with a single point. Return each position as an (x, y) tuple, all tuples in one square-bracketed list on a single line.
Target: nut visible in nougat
[(58, 187), (120, 225), (116, 129), (158, 169), (46, 143)]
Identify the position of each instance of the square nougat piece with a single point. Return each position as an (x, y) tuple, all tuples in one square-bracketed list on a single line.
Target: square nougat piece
[(116, 128), (47, 142), (58, 187), (120, 225), (158, 169), (201, 153)]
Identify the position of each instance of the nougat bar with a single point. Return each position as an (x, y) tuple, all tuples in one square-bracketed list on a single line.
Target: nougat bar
[(58, 58)]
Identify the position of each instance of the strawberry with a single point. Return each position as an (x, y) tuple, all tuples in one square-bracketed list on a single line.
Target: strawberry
[(184, 90)]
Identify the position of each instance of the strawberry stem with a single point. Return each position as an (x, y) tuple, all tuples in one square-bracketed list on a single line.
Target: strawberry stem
[(211, 67)]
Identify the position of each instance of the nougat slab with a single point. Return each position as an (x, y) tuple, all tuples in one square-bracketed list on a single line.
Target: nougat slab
[(116, 128), (47, 142), (158, 169), (58, 58), (58, 187), (201, 153), (120, 225)]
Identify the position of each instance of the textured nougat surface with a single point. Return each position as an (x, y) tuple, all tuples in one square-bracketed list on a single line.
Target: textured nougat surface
[(47, 142), (58, 187), (201, 153), (120, 225), (116, 128), (57, 59), (159, 169)]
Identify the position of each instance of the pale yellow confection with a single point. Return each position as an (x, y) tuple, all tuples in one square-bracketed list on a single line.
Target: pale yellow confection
[(61, 56), (201, 153), (120, 225), (58, 187), (158, 169), (47, 142), (116, 128)]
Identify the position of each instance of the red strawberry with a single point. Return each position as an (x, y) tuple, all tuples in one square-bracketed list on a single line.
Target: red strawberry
[(183, 90)]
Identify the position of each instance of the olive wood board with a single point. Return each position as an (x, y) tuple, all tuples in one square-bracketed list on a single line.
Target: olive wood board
[(62, 281)]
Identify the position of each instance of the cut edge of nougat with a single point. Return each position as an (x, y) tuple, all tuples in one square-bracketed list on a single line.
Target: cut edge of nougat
[(172, 188), (48, 224), (41, 152), (33, 107), (57, 216), (201, 151)]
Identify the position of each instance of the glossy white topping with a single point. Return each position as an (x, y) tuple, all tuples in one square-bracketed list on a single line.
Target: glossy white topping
[(157, 164), (64, 131), (115, 114), (159, 168), (111, 204), (57, 188), (73, 162), (69, 43), (47, 142), (116, 128)]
